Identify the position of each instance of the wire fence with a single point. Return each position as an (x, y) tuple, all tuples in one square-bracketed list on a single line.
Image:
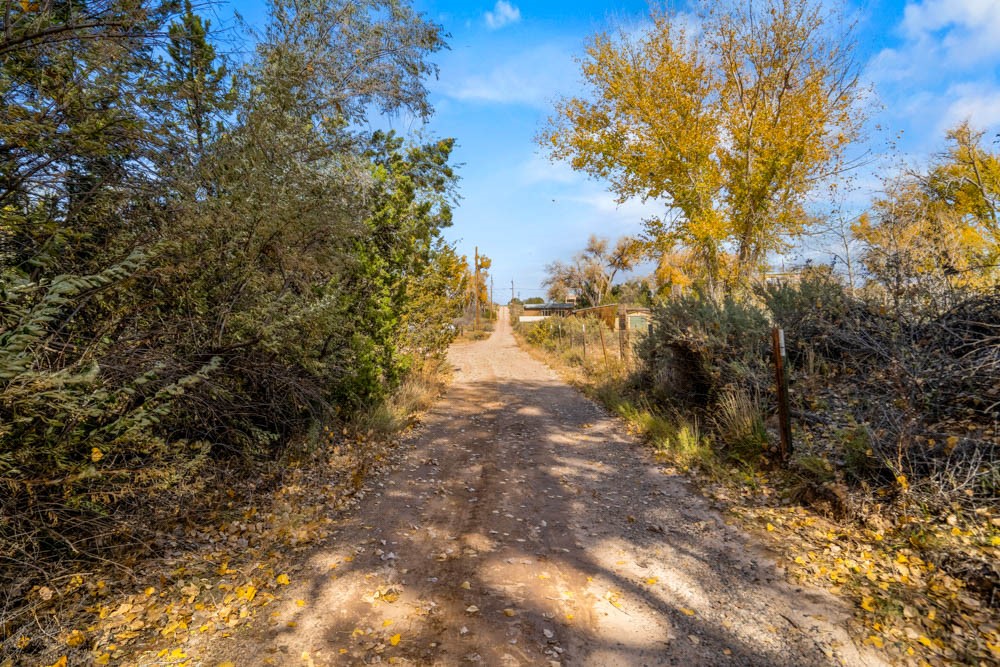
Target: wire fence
[(592, 341)]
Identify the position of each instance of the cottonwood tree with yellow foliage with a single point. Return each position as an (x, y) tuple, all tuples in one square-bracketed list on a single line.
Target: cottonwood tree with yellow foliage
[(728, 120), (935, 233)]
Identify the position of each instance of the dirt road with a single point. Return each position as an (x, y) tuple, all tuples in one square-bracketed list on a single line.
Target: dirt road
[(524, 527)]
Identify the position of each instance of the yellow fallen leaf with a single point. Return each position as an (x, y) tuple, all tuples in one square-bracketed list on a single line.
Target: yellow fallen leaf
[(770, 527), (868, 604), (651, 581), (687, 612), (509, 612), (75, 638), (925, 641), (394, 640), (96, 455), (875, 641), (61, 662), (149, 591), (227, 663), (300, 603), (387, 622), (466, 585), (342, 651), (283, 579), (102, 659)]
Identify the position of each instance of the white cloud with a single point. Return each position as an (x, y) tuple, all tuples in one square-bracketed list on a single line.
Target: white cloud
[(967, 32), (503, 14), (541, 170), (609, 218), (977, 103), (941, 70), (942, 35), (533, 78)]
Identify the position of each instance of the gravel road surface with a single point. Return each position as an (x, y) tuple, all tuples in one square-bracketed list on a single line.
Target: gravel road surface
[(524, 526)]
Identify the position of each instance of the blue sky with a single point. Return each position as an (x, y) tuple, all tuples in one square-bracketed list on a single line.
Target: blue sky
[(931, 63)]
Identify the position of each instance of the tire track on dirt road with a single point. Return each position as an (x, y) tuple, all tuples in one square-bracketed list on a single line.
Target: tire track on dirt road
[(523, 526)]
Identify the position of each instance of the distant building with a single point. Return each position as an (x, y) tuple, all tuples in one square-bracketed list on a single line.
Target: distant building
[(618, 316), (533, 312), (783, 278)]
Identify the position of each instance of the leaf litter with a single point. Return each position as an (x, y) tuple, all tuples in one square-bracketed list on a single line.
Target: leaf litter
[(219, 577)]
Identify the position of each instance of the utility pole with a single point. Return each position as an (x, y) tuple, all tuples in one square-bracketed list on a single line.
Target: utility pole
[(491, 295), (512, 290), (475, 287)]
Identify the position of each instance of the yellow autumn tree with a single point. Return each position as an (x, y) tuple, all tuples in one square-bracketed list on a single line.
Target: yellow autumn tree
[(936, 231), (728, 120)]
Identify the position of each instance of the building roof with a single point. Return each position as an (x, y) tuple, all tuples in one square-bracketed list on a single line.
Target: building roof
[(616, 307), (549, 306)]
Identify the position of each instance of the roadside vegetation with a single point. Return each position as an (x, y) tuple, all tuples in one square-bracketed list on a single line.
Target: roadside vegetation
[(211, 276), (890, 495)]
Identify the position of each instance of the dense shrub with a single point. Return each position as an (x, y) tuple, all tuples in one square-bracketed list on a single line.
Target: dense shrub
[(912, 399), (699, 347), (198, 265)]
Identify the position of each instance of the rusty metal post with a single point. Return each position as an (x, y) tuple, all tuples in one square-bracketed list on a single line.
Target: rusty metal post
[(781, 378)]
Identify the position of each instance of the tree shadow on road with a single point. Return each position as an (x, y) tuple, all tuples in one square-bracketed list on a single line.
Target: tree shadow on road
[(524, 527)]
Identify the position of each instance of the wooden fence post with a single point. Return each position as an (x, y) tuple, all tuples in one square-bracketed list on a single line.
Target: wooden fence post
[(604, 349), (781, 379), (584, 336)]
